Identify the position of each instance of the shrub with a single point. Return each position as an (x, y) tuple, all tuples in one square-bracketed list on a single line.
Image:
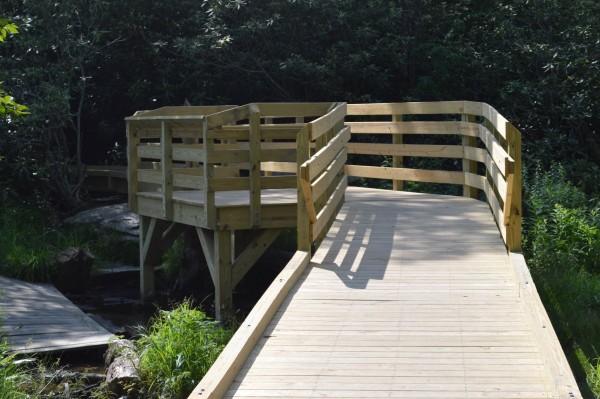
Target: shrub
[(177, 350)]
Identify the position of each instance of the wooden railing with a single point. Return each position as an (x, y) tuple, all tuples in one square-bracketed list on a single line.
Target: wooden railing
[(322, 180), (489, 150), (249, 148)]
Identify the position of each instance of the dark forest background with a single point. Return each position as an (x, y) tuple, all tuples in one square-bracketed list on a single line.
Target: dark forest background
[(82, 66)]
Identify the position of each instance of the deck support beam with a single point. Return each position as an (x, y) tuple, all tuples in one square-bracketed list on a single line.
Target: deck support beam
[(156, 236), (230, 255)]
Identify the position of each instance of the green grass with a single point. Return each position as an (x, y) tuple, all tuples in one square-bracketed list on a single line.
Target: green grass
[(177, 349), (13, 378), (30, 240)]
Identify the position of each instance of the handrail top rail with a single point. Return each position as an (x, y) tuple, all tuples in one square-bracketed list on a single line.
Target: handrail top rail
[(460, 107)]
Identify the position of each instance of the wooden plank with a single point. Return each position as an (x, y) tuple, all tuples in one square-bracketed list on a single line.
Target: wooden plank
[(501, 158), (468, 166), (166, 160), (323, 182), (561, 376), (281, 167), (513, 240), (230, 116), (293, 109), (431, 176), (438, 128), (223, 252), (417, 108), (411, 150), (222, 373), (328, 212), (321, 160), (325, 123), (303, 224), (188, 110), (132, 166), (38, 318), (255, 159), (250, 254), (397, 160)]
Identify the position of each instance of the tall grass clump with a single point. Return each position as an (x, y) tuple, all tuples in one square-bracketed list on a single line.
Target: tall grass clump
[(12, 377), (562, 246), (177, 349)]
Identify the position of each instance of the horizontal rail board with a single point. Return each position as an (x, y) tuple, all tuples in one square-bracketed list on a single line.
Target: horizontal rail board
[(320, 185), (411, 150), (429, 176), (319, 162), (293, 110), (322, 125), (438, 128), (282, 167)]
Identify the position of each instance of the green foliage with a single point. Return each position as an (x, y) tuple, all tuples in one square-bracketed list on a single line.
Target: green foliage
[(593, 379), (172, 258), (30, 240), (177, 350), (562, 245), (562, 229), (13, 377), (9, 108)]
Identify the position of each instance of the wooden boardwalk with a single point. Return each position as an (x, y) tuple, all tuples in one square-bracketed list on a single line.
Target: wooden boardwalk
[(409, 296), (38, 318)]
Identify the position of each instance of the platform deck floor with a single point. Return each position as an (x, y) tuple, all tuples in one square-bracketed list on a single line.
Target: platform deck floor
[(38, 318), (409, 296), (231, 198)]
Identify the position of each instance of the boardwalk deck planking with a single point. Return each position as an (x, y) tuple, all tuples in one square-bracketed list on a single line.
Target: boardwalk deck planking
[(408, 296), (38, 318)]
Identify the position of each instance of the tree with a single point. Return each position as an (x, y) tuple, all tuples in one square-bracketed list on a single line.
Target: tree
[(9, 108)]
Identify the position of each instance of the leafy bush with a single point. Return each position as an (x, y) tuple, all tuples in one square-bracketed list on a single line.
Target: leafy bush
[(177, 350), (562, 245), (562, 229)]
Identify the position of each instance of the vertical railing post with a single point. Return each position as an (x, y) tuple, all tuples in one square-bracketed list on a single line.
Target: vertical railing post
[(208, 144), (254, 148), (468, 166), (303, 224), (397, 161), (166, 161), (513, 239), (132, 165)]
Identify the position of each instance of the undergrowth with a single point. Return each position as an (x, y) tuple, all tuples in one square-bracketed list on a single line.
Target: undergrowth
[(31, 238), (177, 349)]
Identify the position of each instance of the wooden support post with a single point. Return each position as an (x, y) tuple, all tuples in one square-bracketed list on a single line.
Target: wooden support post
[(397, 161), (254, 165), (166, 141), (151, 230), (303, 224), (210, 213), (513, 230), (469, 166), (250, 251), (223, 273), (132, 162)]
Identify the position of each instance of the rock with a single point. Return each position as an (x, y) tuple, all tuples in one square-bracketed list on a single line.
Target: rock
[(73, 266), (115, 217), (122, 375)]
